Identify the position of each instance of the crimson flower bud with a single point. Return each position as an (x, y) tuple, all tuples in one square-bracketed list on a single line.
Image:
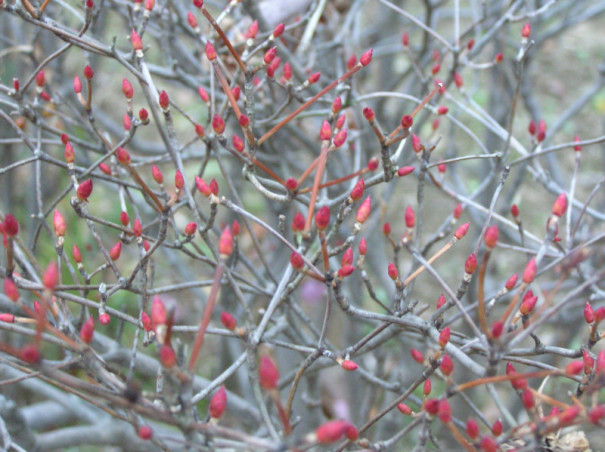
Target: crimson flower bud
[(50, 278), (123, 156), (363, 212), (405, 39), (278, 30), (444, 411), (441, 301), (491, 237), (199, 130), (588, 362), (345, 271), (104, 319), (88, 73), (416, 145), (368, 113), (432, 406), (588, 313), (218, 403), (228, 321), (347, 257), (210, 51), (410, 217), (75, 253), (526, 30), (471, 264), (577, 147), (325, 133), (124, 219), (84, 190), (203, 94), (560, 205), (336, 105), (442, 110), (167, 356), (358, 189), (10, 290), (40, 78), (488, 444), (435, 69), (417, 356), (7, 318), (115, 251), (363, 247), (392, 271), (331, 431), (270, 55), (69, 154), (426, 388), (213, 186), (218, 124), (599, 314), (59, 224), (143, 115), (340, 138), (145, 432), (600, 362), (403, 408), (458, 80), (407, 121), (444, 336), (574, 367), (366, 57), (596, 414), (244, 121), (296, 261), (135, 40), (405, 170), (158, 312), (457, 211), (146, 322), (541, 131), (77, 85), (447, 365), (497, 428), (179, 182), (127, 89), (30, 354), (268, 372), (528, 305), (530, 271), (349, 365), (314, 77), (291, 184), (164, 100), (191, 20), (137, 228), (497, 329), (225, 243), (472, 429), (322, 218), (373, 163), (298, 222), (499, 57), (287, 71), (202, 186), (87, 330), (528, 399)]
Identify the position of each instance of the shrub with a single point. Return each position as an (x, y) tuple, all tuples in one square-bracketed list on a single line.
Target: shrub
[(266, 225)]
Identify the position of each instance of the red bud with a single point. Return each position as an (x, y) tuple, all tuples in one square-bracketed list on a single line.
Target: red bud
[(59, 224), (146, 322), (331, 431), (127, 89), (405, 170), (225, 243), (123, 156), (410, 217), (228, 321), (447, 365), (167, 356), (87, 330), (560, 205), (298, 222), (472, 429), (530, 271), (392, 271), (444, 411), (268, 372), (404, 409), (588, 313), (348, 365), (322, 218), (426, 388), (84, 190), (145, 432), (363, 212), (363, 247), (135, 40), (218, 124), (444, 336), (218, 403), (210, 51), (77, 85), (75, 253), (471, 264), (357, 192), (366, 58), (491, 236), (115, 251), (158, 312), (574, 367), (50, 278), (526, 30), (296, 261)]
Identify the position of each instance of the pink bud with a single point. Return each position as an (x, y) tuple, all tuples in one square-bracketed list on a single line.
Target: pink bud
[(203, 94), (158, 312), (30, 354), (528, 399), (405, 39), (115, 251), (345, 271), (268, 372), (145, 432), (331, 431), (471, 264), (444, 336), (588, 313), (526, 30), (574, 367), (499, 57), (407, 121), (530, 271), (218, 124), (75, 253), (146, 322), (167, 356), (363, 247), (88, 73), (314, 77), (560, 205), (416, 145), (366, 58), (190, 228), (164, 100), (322, 218), (410, 217), (417, 356), (104, 319), (491, 236), (368, 113), (210, 51), (577, 147), (472, 429), (347, 257), (457, 211), (123, 156), (7, 318), (40, 78), (50, 278), (135, 40), (87, 330), (405, 170), (497, 329), (402, 407), (447, 365), (340, 138), (358, 189), (444, 411), (488, 444), (77, 85), (202, 186), (124, 219), (218, 403), (392, 271), (442, 110), (427, 387), (349, 365), (287, 71), (225, 243), (228, 321), (596, 414), (127, 89), (84, 190), (179, 182), (296, 261), (298, 222), (511, 282), (213, 186), (278, 30), (497, 428), (59, 224), (363, 212), (137, 228), (432, 406), (441, 301), (325, 133), (532, 127), (458, 80), (69, 153), (373, 163)]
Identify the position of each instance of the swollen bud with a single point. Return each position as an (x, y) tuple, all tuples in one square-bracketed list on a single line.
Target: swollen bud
[(268, 372), (225, 243), (218, 403)]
